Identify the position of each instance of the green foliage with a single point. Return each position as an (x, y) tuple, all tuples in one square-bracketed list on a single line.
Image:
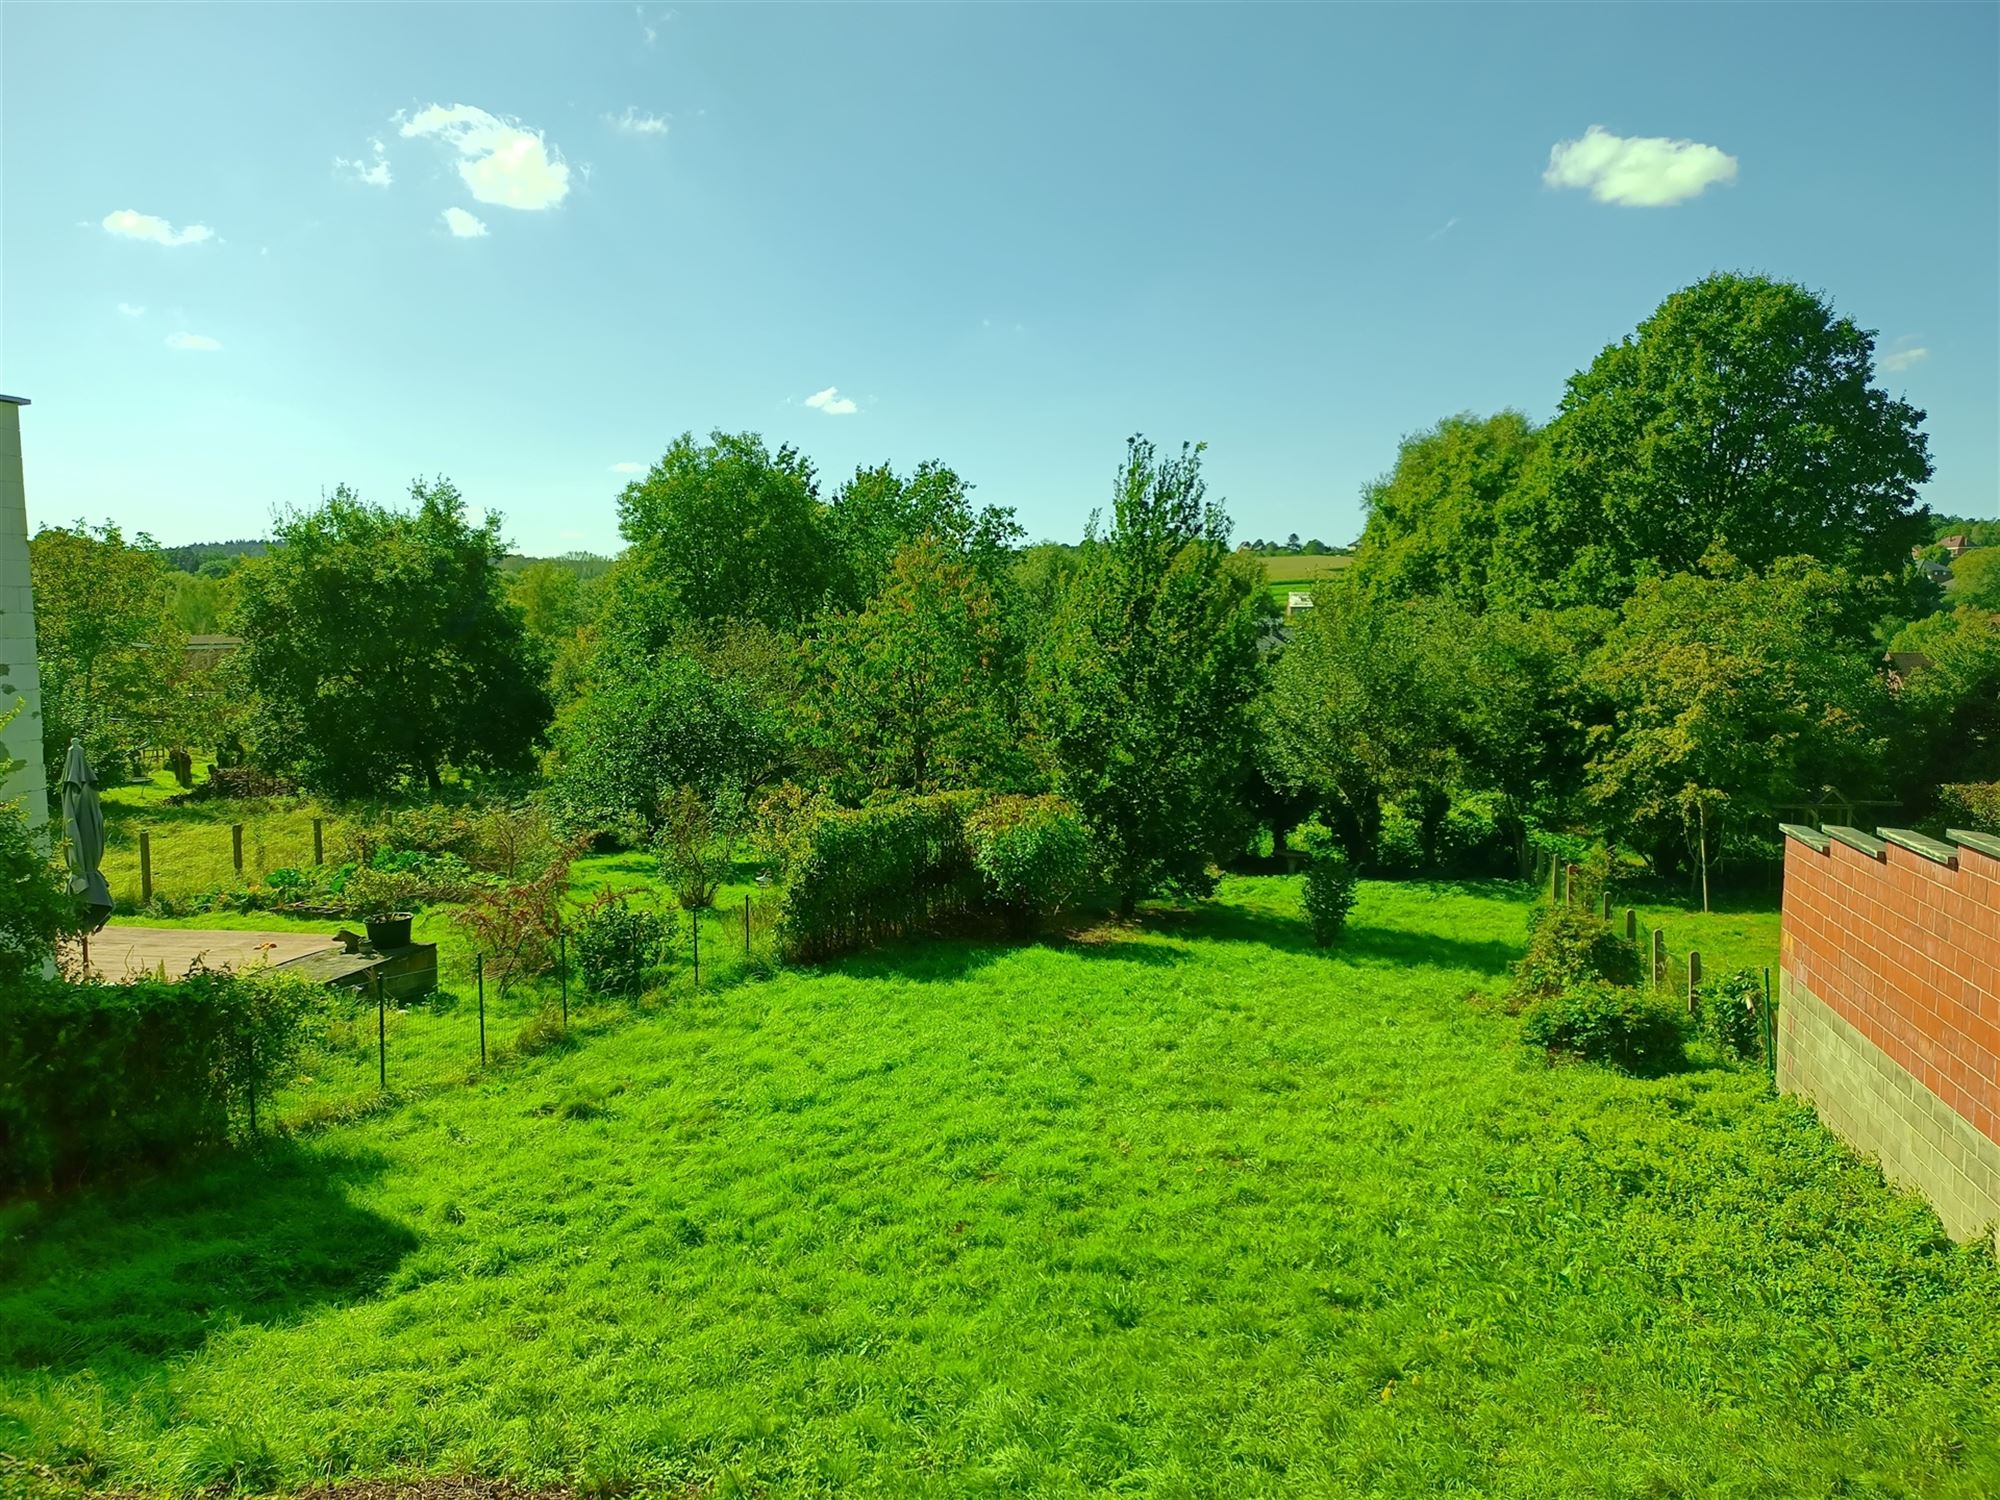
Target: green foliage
[(108, 650), (1972, 805), (1948, 709), (1571, 947), (1330, 884), (1739, 416), (1730, 696), (1975, 578), (647, 728), (878, 513), (695, 846), (1633, 1030), (908, 695), (36, 907), (95, 1077), (382, 645), (1730, 1012), (614, 943), (873, 874), (1431, 520), (724, 530), (1142, 685), (1034, 854)]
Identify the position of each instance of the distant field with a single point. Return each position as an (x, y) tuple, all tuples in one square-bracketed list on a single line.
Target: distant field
[(1283, 574)]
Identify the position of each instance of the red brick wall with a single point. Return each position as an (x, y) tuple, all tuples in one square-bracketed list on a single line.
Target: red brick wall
[(1907, 951)]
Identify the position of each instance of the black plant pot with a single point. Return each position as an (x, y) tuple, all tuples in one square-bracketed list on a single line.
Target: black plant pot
[(390, 930)]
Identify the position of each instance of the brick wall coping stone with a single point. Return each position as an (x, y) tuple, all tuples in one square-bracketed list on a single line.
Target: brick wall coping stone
[(1985, 843), (1812, 838), (1917, 843), (1854, 838)]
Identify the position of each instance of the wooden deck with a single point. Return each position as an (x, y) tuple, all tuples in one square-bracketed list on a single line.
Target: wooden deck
[(120, 953)]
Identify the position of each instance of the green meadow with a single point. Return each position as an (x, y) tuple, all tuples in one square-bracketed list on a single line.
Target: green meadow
[(1185, 1207)]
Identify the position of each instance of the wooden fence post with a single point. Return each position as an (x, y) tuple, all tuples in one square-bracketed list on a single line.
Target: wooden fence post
[(1694, 982), (1659, 957), (319, 843), (1607, 906), (1569, 885), (236, 845), (1631, 925), (145, 868)]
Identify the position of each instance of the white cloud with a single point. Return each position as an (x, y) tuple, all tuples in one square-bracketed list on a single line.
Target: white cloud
[(1448, 226), (1904, 353), (634, 123), (197, 341), (134, 225), (628, 468), (1648, 171), (130, 311), (501, 161), (463, 225), (374, 174), (832, 402)]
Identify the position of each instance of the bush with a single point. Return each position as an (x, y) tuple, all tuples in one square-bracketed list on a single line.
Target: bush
[(98, 1076), (1033, 853), (695, 845), (1570, 946), (370, 892), (1731, 1014), (36, 908), (1329, 884), (1597, 1022), (871, 874), (1971, 805), (517, 926), (615, 943)]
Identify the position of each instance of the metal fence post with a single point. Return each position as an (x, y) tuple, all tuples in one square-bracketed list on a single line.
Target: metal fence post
[(1694, 982), (381, 1034), (694, 926), (1569, 885), (479, 978)]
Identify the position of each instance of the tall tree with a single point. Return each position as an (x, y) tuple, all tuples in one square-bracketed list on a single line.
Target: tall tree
[(879, 512), (1948, 708), (381, 644), (1432, 518), (109, 648), (1142, 685), (909, 693), (1740, 415), (726, 530), (1731, 695)]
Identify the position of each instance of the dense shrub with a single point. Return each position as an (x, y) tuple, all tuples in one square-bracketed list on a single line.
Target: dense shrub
[(1033, 853), (870, 874), (36, 908), (517, 925), (1971, 805), (695, 845), (1570, 946), (98, 1076), (1631, 1029), (615, 943), (1329, 882), (1730, 1011)]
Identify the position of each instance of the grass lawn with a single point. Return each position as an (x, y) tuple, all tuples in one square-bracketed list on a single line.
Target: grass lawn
[(1283, 574), (1188, 1209), (191, 847)]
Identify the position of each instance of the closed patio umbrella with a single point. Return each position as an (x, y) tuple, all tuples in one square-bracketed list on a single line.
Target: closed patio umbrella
[(83, 841)]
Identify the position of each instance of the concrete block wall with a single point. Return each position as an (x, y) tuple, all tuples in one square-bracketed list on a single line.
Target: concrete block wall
[(1889, 1006), (20, 681)]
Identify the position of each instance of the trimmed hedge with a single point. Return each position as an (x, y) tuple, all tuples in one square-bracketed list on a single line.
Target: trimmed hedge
[(95, 1077), (868, 875)]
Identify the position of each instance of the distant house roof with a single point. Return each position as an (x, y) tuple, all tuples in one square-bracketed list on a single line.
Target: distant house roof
[(1935, 570), (1298, 599), (1902, 664), (1955, 544), (214, 642)]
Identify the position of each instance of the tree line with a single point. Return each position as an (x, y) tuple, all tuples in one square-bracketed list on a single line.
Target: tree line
[(1665, 616)]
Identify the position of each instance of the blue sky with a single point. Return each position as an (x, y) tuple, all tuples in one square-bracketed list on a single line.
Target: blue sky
[(1003, 237)]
